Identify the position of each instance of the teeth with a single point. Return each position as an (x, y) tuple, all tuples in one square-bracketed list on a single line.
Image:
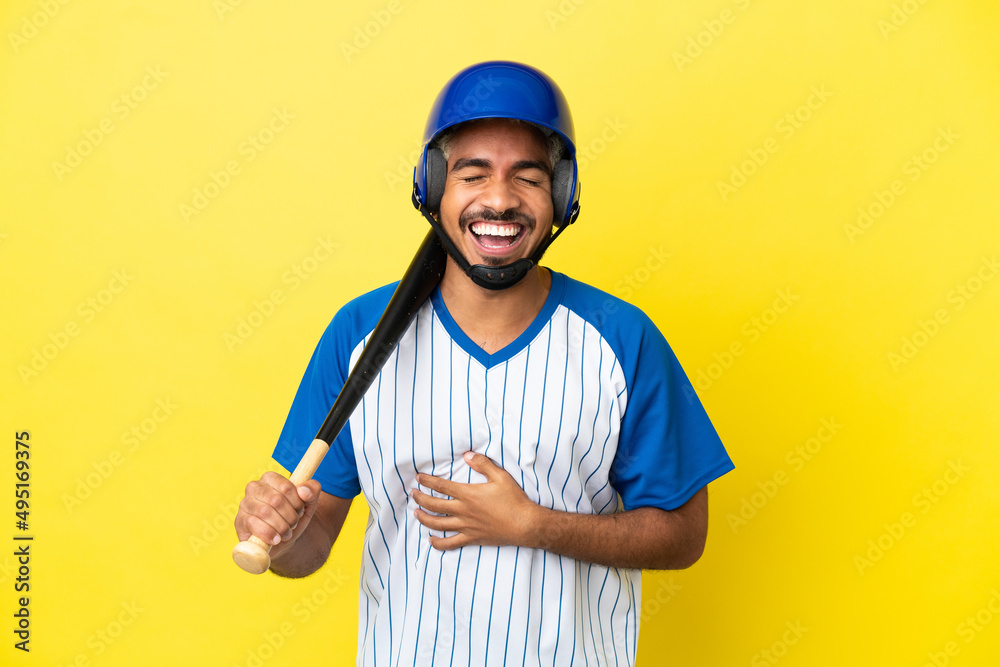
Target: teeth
[(486, 229)]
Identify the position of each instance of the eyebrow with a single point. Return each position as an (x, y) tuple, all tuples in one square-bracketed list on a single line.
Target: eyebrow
[(465, 162), (532, 164)]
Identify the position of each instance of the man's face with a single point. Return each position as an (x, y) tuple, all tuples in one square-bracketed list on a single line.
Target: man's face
[(497, 202)]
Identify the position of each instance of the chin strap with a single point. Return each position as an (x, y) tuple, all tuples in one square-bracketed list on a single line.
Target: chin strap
[(489, 277)]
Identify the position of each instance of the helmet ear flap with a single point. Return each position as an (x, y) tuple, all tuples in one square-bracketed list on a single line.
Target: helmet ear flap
[(562, 191), (437, 172)]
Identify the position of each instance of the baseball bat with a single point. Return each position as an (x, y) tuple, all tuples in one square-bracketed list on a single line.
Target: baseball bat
[(420, 279)]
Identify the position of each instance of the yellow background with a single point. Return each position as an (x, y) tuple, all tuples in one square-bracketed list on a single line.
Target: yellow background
[(130, 562)]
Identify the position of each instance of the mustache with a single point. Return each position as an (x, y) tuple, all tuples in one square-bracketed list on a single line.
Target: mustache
[(489, 215)]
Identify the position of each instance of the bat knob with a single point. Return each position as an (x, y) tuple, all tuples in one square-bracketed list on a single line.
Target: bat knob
[(252, 555)]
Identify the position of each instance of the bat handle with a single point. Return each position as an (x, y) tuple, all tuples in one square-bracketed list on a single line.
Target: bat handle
[(253, 555)]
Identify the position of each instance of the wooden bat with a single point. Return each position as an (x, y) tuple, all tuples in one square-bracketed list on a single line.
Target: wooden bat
[(420, 279)]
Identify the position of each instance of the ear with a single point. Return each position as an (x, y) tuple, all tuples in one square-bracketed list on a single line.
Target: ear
[(562, 190), (437, 172)]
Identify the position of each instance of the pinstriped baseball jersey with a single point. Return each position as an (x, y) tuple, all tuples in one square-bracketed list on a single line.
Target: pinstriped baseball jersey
[(588, 410)]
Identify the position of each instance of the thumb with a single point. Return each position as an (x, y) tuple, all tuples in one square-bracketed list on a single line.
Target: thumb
[(309, 492), (482, 464)]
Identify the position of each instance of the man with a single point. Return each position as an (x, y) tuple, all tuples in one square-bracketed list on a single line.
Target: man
[(530, 445)]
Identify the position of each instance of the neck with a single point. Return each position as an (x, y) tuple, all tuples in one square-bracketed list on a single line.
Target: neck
[(494, 318)]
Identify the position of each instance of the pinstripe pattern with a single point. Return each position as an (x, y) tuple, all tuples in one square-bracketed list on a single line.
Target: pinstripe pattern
[(588, 410), (549, 414)]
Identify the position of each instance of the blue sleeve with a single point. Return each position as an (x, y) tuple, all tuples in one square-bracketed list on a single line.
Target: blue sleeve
[(668, 448), (323, 379)]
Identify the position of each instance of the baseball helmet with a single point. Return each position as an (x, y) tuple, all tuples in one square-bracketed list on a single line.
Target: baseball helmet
[(499, 89)]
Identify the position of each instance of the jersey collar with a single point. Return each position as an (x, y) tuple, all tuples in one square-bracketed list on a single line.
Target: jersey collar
[(520, 343)]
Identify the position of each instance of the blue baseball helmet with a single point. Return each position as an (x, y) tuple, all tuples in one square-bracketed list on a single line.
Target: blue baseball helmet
[(500, 89)]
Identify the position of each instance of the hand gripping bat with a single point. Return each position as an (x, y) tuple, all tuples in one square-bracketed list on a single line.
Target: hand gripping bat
[(420, 279)]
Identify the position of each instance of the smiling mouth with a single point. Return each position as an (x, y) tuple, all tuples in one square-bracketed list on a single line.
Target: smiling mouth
[(496, 236)]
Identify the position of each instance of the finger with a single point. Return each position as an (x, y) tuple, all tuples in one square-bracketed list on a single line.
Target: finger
[(272, 482), (445, 486), (309, 493), (484, 465), (275, 504), (271, 508), (248, 509), (264, 530), (266, 522), (285, 487), (449, 543), (433, 503), (435, 522)]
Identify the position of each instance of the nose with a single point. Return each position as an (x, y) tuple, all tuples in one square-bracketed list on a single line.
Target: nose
[(499, 195)]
